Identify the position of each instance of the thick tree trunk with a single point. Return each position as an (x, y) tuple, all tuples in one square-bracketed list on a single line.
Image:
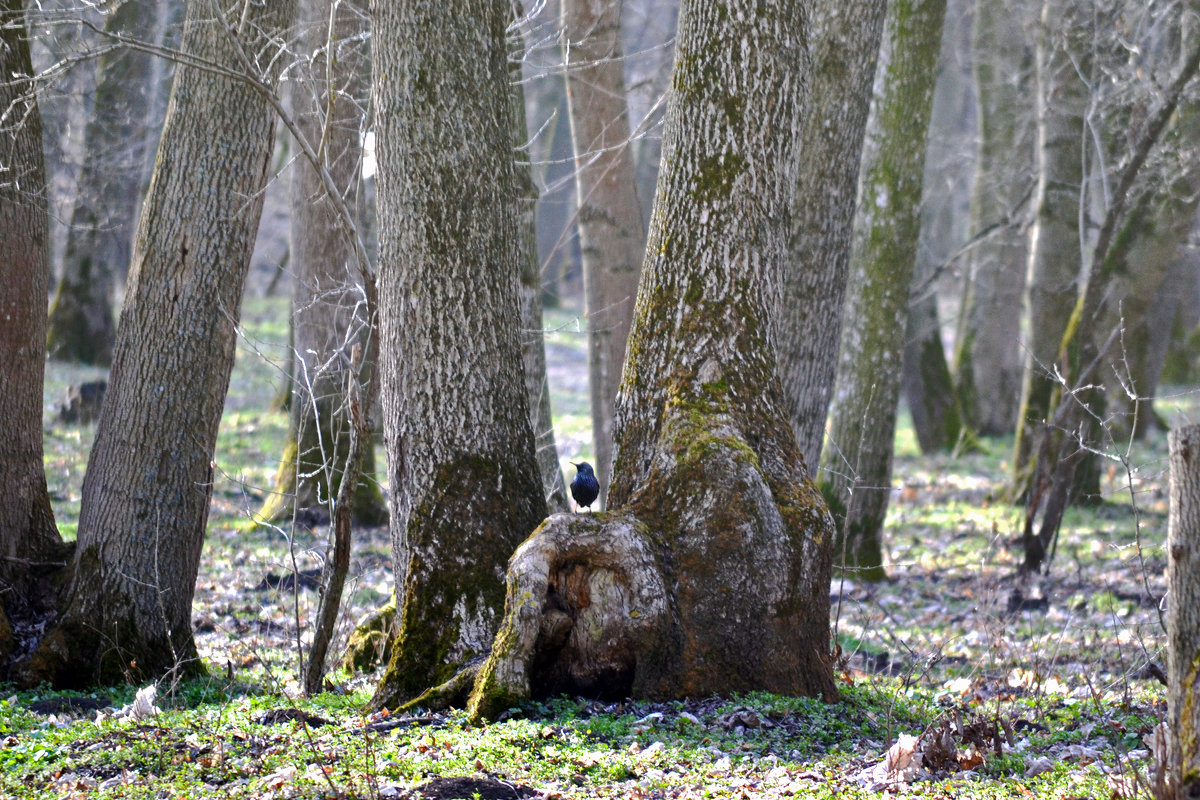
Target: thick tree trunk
[(149, 478), (713, 501), (611, 239), (81, 324), (988, 360), (29, 543), (857, 466), (844, 42), (330, 313), (1183, 613), (464, 482), (1055, 249)]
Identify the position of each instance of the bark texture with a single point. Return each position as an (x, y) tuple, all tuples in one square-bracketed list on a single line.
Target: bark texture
[(82, 327), (149, 477), (330, 310), (706, 458), (464, 483), (611, 238), (1055, 251), (857, 465), (1183, 612), (29, 541), (844, 42), (988, 359)]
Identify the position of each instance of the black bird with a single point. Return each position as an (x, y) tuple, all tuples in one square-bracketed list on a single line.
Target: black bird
[(585, 488)]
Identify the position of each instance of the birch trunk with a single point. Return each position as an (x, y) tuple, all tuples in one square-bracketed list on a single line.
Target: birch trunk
[(856, 468), (844, 41), (149, 478), (464, 482), (611, 239)]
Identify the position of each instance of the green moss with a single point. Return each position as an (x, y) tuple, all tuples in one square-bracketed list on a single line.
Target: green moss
[(716, 175)]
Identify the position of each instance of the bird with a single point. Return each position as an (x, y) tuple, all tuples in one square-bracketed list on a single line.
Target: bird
[(585, 488)]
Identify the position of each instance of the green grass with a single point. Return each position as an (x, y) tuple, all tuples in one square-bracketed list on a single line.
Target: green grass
[(938, 644)]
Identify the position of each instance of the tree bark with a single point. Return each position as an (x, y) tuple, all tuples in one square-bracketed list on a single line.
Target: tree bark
[(149, 478), (611, 238), (464, 482), (711, 495), (857, 468), (844, 42), (988, 360), (1183, 612), (29, 542), (329, 300), (1063, 61), (925, 380), (82, 327)]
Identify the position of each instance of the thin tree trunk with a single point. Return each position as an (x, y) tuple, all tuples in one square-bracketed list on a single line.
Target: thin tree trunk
[(857, 466), (29, 543), (845, 46), (925, 381), (149, 478), (81, 326), (329, 301), (1055, 249), (462, 473), (611, 239), (988, 359), (1183, 612)]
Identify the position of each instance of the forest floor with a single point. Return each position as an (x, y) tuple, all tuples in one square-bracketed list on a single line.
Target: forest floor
[(1006, 688)]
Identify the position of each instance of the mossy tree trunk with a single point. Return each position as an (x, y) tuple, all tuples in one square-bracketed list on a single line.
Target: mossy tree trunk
[(100, 232), (856, 467), (844, 42), (30, 547), (611, 238), (925, 382), (1063, 60), (462, 473), (330, 311), (711, 575), (1183, 613), (149, 478), (1140, 230), (988, 361)]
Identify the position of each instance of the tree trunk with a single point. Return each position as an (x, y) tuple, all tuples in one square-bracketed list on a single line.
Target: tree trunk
[(844, 42), (464, 482), (925, 381), (149, 478), (1183, 612), (29, 543), (988, 360), (857, 467), (1055, 249), (611, 239), (329, 301), (81, 324), (712, 575), (533, 340)]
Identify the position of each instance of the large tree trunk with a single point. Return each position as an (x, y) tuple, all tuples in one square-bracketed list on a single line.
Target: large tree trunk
[(712, 498), (1055, 251), (29, 542), (857, 466), (988, 360), (844, 42), (1183, 613), (149, 477), (611, 239), (462, 474), (81, 326), (330, 313)]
